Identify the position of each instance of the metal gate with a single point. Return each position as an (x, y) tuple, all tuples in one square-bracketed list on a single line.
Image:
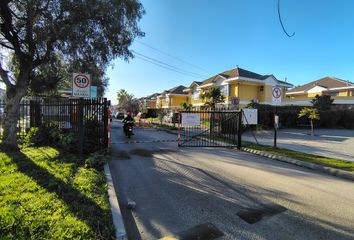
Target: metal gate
[(219, 128)]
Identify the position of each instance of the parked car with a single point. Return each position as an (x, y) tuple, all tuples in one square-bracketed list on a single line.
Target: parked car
[(119, 115)]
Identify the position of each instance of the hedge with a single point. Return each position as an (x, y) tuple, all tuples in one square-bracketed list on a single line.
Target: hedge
[(288, 117)]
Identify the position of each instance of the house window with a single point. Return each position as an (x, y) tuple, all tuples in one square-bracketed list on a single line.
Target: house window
[(333, 94), (352, 93), (224, 90), (195, 94), (261, 88), (167, 99)]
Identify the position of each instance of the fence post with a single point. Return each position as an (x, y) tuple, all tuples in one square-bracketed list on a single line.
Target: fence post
[(80, 124), (239, 129)]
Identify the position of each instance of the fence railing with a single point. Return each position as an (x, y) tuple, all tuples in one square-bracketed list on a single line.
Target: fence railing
[(85, 117)]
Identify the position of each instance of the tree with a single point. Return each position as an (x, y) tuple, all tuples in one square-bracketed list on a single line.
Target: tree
[(323, 102), (35, 30), (186, 106), (212, 96), (310, 113), (127, 102)]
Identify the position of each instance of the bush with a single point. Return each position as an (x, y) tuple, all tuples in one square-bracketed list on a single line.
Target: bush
[(96, 160), (330, 118), (288, 117)]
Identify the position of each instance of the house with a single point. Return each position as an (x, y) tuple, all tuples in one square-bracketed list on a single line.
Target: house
[(149, 102), (172, 98), (239, 87), (340, 90)]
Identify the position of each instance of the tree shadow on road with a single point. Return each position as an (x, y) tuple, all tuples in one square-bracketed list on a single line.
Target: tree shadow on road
[(177, 196)]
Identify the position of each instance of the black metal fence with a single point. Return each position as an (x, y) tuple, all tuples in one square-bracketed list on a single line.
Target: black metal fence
[(220, 128), (85, 117)]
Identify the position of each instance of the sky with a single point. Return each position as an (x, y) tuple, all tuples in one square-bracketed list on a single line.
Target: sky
[(205, 37)]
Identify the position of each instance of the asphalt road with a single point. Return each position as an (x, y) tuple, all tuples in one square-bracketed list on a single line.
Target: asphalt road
[(178, 188)]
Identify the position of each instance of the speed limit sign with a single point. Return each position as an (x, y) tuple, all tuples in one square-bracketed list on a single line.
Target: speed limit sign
[(81, 85)]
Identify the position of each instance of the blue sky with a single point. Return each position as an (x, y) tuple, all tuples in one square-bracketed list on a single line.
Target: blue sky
[(215, 36)]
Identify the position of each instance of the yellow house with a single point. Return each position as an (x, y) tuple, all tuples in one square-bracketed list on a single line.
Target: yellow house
[(340, 90), (172, 98), (239, 87)]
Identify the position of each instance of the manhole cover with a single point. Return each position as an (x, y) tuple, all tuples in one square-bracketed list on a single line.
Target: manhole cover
[(206, 231), (253, 215)]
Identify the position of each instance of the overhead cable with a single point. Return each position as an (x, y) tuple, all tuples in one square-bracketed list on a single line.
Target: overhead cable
[(163, 66), (171, 56), (169, 66), (281, 23)]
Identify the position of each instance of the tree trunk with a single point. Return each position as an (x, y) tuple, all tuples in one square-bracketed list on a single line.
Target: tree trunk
[(312, 133), (14, 94), (11, 118)]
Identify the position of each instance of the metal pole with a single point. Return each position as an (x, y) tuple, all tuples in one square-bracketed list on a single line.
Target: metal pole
[(239, 126), (275, 127), (81, 126)]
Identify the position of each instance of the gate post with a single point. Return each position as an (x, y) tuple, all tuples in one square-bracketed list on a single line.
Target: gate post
[(239, 129), (105, 122)]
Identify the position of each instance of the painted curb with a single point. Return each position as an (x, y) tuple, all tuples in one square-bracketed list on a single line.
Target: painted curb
[(333, 171), (121, 233)]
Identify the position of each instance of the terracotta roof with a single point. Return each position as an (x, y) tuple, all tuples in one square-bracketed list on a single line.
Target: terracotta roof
[(239, 72), (326, 82)]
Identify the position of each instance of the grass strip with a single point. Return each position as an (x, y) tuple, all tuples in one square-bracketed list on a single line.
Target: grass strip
[(45, 194), (326, 161)]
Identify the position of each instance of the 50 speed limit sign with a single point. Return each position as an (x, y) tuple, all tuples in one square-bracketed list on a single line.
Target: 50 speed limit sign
[(81, 85)]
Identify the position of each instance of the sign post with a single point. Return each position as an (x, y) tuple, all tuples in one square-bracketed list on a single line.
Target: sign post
[(276, 100), (81, 85)]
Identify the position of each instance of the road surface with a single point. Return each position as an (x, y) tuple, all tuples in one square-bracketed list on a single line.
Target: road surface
[(176, 189)]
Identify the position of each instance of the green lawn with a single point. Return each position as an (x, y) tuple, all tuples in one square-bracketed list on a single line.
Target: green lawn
[(45, 195), (331, 162)]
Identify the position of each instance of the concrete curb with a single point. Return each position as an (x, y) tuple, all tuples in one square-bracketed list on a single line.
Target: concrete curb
[(333, 171), (121, 233)]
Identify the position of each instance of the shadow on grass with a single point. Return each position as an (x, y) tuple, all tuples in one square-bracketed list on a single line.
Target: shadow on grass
[(82, 207)]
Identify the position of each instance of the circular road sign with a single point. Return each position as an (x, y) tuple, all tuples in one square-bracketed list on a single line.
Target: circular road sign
[(276, 92), (81, 81)]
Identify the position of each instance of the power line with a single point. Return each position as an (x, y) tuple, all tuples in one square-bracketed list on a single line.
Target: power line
[(163, 66), (281, 22), (170, 66), (171, 56)]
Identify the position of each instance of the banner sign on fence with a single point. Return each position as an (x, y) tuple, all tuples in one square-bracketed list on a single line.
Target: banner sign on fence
[(190, 119), (81, 85), (250, 116)]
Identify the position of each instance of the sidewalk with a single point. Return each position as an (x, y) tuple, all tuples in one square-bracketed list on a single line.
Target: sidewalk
[(327, 142)]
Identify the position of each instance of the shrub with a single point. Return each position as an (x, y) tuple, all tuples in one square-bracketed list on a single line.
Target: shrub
[(288, 117), (96, 160), (330, 118)]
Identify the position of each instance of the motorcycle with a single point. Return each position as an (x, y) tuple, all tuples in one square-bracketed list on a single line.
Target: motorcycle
[(128, 128)]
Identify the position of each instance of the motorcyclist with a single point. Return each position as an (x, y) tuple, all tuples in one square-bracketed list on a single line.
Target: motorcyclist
[(128, 120)]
